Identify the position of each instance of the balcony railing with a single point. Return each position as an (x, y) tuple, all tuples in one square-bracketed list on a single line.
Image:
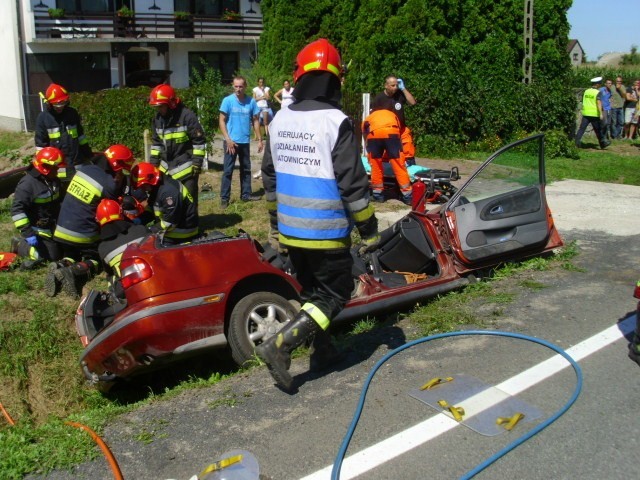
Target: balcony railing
[(144, 25)]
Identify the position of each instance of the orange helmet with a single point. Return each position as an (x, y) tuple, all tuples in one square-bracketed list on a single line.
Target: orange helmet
[(318, 55), (163, 95), (120, 158), (56, 94), (108, 211), (145, 173), (47, 159)]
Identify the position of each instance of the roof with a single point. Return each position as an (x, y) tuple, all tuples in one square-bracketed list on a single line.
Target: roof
[(571, 45)]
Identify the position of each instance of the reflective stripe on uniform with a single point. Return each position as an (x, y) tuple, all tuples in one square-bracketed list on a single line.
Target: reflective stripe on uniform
[(318, 315), (84, 188), (315, 244), (74, 237)]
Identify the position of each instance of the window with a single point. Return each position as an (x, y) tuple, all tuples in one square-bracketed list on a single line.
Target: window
[(225, 62), (87, 6), (575, 57), (77, 72)]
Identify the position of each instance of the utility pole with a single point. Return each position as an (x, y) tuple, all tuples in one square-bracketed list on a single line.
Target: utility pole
[(527, 61)]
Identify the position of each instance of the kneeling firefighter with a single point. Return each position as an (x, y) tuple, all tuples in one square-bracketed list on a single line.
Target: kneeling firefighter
[(77, 230), (317, 203), (35, 209)]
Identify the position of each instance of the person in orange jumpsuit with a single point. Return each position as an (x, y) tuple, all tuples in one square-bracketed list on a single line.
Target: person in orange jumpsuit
[(381, 131)]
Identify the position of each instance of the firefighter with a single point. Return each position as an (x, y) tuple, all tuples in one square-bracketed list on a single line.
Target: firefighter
[(59, 125), (381, 131), (117, 232), (314, 198), (173, 206), (77, 230), (393, 98), (178, 145), (35, 208)]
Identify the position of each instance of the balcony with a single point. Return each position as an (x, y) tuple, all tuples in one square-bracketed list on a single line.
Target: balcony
[(144, 25)]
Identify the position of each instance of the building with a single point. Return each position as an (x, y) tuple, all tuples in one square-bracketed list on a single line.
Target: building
[(576, 53), (89, 45)]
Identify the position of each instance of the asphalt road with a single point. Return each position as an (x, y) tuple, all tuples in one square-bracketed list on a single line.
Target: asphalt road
[(398, 437)]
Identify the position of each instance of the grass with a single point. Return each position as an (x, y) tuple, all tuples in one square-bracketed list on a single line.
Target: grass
[(41, 385)]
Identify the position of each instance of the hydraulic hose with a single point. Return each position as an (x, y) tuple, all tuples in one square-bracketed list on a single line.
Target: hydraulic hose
[(337, 465)]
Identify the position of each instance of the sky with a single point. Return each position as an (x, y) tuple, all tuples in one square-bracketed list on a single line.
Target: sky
[(604, 26)]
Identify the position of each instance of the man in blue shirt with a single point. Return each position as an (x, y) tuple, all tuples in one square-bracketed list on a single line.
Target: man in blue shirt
[(238, 112), (605, 97)]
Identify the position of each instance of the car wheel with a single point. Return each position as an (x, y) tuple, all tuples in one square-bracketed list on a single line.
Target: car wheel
[(254, 319)]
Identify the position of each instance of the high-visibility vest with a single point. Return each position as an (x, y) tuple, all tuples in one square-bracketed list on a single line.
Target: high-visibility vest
[(589, 103)]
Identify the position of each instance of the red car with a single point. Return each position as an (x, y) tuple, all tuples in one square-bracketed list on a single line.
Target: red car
[(226, 290)]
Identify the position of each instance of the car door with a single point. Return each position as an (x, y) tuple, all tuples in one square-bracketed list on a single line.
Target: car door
[(501, 211)]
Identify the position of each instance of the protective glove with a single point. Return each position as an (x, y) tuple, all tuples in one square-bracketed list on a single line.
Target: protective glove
[(401, 84), (32, 240), (369, 244), (196, 169), (155, 228), (136, 221)]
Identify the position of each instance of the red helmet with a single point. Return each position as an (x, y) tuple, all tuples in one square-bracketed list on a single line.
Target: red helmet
[(120, 158), (47, 159), (145, 173), (108, 211), (163, 95), (56, 94), (318, 55)]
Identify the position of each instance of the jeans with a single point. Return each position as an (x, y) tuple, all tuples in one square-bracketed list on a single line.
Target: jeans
[(604, 124), (616, 122), (242, 153)]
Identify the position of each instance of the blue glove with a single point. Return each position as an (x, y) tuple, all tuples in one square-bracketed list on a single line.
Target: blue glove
[(136, 221), (401, 84), (32, 240)]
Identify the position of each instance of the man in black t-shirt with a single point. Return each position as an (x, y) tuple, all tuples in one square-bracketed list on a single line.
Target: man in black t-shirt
[(393, 98)]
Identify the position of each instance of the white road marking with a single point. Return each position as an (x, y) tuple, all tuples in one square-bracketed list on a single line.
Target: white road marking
[(386, 450)]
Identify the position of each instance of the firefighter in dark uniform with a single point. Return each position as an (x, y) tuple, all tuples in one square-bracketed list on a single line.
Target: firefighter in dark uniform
[(77, 230), (173, 206), (319, 195), (178, 145), (59, 125), (117, 232), (35, 208)]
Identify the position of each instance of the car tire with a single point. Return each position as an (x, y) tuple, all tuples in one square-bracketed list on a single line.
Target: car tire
[(254, 319)]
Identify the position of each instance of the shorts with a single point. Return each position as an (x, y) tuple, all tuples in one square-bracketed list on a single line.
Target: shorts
[(264, 109), (629, 116)]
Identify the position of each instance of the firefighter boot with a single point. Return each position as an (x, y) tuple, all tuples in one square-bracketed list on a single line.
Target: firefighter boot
[(323, 352), (276, 351), (75, 276), (53, 280), (15, 241)]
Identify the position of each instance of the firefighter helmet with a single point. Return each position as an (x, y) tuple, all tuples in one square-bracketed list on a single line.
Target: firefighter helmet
[(120, 157), (108, 211), (47, 159), (145, 173), (56, 95), (163, 95), (318, 55)]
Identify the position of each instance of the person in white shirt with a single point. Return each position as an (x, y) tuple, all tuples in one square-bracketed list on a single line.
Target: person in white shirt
[(262, 95), (284, 96)]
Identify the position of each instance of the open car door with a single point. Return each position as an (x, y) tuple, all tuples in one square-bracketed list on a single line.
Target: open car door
[(501, 212)]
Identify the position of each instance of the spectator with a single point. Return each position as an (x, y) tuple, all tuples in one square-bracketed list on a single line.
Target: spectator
[(238, 113), (618, 95), (630, 117), (592, 113), (605, 97), (262, 95), (284, 96), (394, 97)]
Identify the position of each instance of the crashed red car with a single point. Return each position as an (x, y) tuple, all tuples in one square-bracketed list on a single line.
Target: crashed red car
[(227, 290)]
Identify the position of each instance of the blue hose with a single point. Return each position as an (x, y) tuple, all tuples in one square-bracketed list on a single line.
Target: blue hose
[(337, 465)]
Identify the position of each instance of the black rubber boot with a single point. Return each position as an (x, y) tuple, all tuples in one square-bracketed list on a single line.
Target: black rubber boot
[(276, 351), (323, 353), (75, 276), (15, 241), (51, 281)]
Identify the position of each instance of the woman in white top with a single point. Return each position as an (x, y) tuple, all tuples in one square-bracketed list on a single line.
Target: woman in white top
[(262, 95), (284, 96)]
